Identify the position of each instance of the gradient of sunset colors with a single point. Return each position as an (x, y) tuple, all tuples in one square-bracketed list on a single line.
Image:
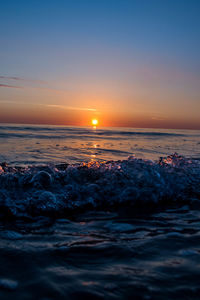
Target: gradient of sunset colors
[(125, 63)]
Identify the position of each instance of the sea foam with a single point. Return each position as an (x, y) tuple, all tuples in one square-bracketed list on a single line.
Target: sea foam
[(62, 189)]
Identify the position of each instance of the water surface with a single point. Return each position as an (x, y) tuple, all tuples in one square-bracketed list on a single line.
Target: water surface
[(91, 213), (29, 144)]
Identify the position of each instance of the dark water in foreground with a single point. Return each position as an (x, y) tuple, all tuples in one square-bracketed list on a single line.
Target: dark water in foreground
[(103, 256), (80, 220)]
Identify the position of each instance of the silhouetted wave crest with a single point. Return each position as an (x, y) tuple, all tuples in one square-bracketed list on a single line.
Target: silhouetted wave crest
[(60, 189)]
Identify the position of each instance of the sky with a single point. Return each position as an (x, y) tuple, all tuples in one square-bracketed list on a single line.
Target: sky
[(132, 63)]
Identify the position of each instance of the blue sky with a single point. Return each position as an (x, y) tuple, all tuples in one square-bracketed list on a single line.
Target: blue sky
[(136, 57)]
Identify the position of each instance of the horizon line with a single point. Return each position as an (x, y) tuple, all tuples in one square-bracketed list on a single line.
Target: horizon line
[(138, 127)]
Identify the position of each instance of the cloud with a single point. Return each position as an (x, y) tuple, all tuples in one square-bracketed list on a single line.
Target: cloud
[(10, 86), (27, 83), (22, 79), (50, 105), (11, 78), (70, 107)]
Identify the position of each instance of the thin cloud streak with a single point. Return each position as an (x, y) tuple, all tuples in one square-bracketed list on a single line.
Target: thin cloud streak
[(10, 86), (29, 83), (22, 79), (70, 107), (50, 105)]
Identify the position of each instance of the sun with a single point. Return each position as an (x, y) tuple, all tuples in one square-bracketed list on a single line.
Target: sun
[(95, 122)]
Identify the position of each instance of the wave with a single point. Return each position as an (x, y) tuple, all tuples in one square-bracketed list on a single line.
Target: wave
[(66, 133), (62, 189), (82, 130)]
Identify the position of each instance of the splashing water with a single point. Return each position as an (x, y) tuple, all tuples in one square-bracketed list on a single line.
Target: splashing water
[(60, 189)]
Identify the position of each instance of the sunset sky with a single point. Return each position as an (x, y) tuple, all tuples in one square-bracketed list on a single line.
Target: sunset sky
[(126, 63)]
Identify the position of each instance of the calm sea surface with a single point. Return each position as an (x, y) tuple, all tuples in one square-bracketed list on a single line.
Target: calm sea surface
[(80, 220), (27, 144)]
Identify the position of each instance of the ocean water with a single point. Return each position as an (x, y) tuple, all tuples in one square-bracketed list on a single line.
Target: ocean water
[(27, 144), (99, 213)]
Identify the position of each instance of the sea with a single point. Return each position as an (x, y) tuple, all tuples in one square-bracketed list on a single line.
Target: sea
[(99, 213)]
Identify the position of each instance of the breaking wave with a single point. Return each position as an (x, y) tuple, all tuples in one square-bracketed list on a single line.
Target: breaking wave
[(61, 189)]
